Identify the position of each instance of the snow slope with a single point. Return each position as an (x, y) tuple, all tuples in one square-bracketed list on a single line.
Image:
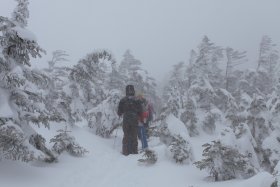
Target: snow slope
[(105, 166)]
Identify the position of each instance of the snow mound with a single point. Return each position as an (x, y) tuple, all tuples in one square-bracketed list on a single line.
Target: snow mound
[(25, 34), (177, 127)]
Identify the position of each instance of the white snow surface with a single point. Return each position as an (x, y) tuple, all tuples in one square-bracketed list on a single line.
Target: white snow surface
[(105, 166)]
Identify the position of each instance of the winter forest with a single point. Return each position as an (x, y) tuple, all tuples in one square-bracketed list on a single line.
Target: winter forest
[(213, 118)]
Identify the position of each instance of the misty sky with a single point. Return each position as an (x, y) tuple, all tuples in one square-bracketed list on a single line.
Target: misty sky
[(160, 33)]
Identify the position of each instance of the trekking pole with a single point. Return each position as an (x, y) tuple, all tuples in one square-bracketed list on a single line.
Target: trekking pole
[(115, 138), (117, 126)]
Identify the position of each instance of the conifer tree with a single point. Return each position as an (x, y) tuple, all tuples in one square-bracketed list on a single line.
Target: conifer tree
[(21, 13), (245, 143), (268, 55), (225, 102), (57, 100), (116, 80), (190, 75), (257, 120), (174, 90), (19, 83), (189, 117), (97, 78), (207, 60), (266, 72), (132, 72), (89, 75), (234, 58)]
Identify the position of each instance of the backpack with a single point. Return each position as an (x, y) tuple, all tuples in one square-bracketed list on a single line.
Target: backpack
[(131, 109), (144, 105), (131, 105)]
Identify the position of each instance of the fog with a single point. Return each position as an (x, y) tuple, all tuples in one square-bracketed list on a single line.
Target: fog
[(160, 33)]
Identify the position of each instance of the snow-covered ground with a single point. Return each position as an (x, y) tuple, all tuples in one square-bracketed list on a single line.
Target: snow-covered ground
[(105, 166)]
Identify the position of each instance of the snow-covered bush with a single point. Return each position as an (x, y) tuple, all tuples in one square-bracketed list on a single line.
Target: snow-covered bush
[(180, 149), (148, 157), (174, 135), (224, 162), (65, 142)]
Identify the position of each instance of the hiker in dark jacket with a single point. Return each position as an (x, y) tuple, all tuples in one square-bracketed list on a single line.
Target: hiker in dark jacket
[(130, 108)]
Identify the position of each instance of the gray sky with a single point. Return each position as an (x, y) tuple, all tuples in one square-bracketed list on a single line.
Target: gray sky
[(160, 33)]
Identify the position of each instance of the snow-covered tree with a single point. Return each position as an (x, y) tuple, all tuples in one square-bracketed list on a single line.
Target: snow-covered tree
[(276, 175), (206, 64), (20, 85), (189, 118), (116, 80), (271, 150), (89, 75), (245, 143), (190, 74), (243, 100), (21, 13), (100, 86), (259, 123), (58, 93), (270, 145), (234, 58), (225, 101), (246, 82), (268, 55), (132, 72), (273, 105), (257, 119), (209, 123), (174, 90), (203, 93), (267, 68)]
